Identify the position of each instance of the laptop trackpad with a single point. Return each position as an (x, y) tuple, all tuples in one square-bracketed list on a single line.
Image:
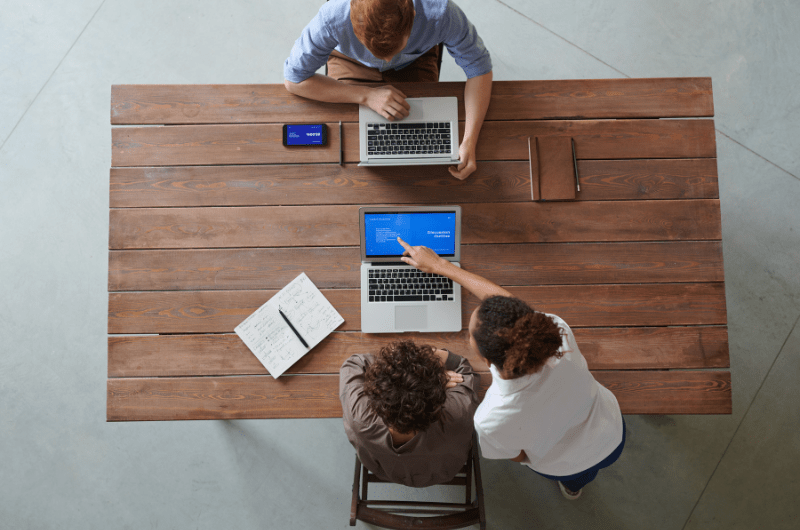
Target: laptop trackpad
[(410, 317)]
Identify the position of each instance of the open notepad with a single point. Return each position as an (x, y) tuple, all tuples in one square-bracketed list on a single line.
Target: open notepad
[(271, 339)]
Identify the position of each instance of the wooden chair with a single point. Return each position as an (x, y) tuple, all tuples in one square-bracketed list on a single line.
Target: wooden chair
[(437, 515)]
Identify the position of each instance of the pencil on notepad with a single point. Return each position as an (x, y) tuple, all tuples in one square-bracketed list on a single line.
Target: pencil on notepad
[(291, 326)]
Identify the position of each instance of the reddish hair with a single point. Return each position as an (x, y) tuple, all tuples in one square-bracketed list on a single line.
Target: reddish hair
[(514, 337), (381, 25)]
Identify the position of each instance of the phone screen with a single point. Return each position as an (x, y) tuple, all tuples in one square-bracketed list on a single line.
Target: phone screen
[(305, 134)]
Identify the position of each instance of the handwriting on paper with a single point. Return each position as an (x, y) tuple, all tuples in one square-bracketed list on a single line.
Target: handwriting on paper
[(272, 341)]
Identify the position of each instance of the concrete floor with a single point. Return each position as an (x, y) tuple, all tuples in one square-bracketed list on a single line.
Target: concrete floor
[(62, 466)]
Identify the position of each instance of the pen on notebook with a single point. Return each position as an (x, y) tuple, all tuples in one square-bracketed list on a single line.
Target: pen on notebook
[(341, 150), (291, 326), (575, 161)]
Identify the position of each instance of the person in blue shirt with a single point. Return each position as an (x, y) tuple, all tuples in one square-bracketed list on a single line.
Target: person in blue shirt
[(390, 41)]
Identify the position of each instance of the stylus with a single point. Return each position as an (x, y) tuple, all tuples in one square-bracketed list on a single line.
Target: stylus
[(341, 151), (575, 161), (291, 326)]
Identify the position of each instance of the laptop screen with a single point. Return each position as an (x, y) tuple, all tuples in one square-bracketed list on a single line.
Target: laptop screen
[(435, 230)]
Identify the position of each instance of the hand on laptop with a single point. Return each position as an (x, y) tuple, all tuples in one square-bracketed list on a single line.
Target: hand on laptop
[(466, 153), (389, 102), (422, 258)]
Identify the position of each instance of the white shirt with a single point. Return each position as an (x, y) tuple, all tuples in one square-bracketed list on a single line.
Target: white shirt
[(564, 420)]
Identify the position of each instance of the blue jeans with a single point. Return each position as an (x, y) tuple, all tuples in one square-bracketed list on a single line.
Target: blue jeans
[(579, 480)]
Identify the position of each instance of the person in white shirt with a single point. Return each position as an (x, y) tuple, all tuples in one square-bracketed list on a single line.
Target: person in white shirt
[(544, 408)]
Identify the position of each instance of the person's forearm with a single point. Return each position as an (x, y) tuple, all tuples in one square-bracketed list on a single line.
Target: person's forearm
[(323, 88), (477, 285), (477, 94)]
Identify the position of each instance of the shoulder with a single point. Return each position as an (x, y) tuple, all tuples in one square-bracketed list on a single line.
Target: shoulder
[(352, 374), (433, 9), (558, 321), (335, 14), (358, 360)]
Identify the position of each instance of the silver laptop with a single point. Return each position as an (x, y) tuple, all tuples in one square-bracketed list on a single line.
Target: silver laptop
[(427, 136), (396, 297)]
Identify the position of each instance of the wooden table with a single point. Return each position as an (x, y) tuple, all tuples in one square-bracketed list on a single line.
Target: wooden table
[(210, 215)]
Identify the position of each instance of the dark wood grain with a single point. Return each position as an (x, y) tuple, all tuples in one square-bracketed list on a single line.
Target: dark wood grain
[(597, 139), (530, 222), (270, 226), (591, 221), (217, 398), (338, 267), (648, 179), (579, 305), (511, 100), (216, 144), (655, 392), (225, 354), (316, 396), (314, 184), (187, 145), (497, 181), (254, 268), (211, 215)]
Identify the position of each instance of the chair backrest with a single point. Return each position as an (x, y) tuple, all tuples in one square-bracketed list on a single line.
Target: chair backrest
[(426, 515)]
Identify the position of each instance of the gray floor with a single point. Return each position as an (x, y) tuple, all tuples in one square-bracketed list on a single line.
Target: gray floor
[(62, 466)]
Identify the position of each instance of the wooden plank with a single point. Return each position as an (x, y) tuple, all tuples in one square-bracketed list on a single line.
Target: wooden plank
[(316, 396), (278, 226), (218, 398), (597, 139), (511, 100), (338, 267), (579, 305), (591, 221), (649, 348), (497, 181), (187, 145), (601, 98), (648, 179), (217, 144), (234, 227), (217, 355), (670, 392), (314, 184)]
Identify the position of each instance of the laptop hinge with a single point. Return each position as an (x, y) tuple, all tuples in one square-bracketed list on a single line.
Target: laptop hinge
[(388, 263)]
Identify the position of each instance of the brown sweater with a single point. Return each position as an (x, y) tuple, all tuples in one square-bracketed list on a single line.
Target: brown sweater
[(433, 456)]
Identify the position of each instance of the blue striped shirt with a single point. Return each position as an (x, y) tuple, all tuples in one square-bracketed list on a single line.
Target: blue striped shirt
[(435, 21)]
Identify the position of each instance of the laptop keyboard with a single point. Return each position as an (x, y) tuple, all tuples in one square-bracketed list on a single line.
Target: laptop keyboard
[(408, 138), (407, 285)]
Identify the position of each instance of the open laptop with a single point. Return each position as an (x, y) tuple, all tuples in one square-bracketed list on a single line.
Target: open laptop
[(427, 136), (396, 297)]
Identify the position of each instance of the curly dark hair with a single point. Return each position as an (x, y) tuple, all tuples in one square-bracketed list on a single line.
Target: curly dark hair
[(514, 337), (405, 386)]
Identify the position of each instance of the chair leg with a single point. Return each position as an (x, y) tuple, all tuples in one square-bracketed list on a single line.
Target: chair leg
[(354, 501), (476, 464), (364, 483), (468, 496)]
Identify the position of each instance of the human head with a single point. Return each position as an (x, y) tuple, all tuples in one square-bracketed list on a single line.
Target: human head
[(405, 386), (383, 26), (509, 334)]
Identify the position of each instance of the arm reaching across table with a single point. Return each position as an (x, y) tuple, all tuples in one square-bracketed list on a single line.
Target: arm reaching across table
[(427, 260)]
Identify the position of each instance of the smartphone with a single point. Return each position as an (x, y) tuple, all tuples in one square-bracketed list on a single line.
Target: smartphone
[(305, 134)]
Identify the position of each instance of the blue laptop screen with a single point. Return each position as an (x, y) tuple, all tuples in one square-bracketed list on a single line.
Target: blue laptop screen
[(435, 230)]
